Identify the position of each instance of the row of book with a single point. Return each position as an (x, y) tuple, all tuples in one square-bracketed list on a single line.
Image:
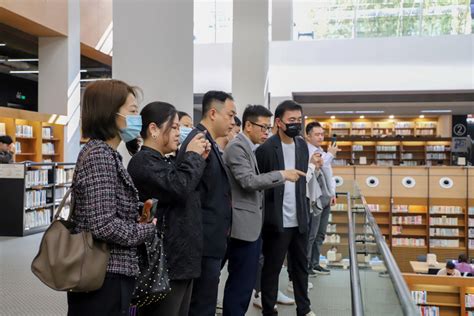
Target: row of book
[(332, 239), (360, 132), (440, 148), (24, 131), (471, 232), (64, 175), (445, 232), (406, 156), (397, 220), (47, 149), (374, 207), (409, 163), (397, 230), (35, 198), (387, 156), (339, 207), (429, 310), (444, 220), (386, 163), (436, 156), (399, 208), (444, 209), (471, 243), (38, 218), (471, 210), (59, 193), (425, 132), (419, 297), (36, 177), (469, 299), (47, 132), (18, 147), (411, 242), (386, 148), (471, 222), (3, 129), (331, 228), (444, 243), (404, 132)]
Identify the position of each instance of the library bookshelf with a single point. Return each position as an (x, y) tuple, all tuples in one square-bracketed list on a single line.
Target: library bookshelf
[(38, 137), (447, 294), (470, 213)]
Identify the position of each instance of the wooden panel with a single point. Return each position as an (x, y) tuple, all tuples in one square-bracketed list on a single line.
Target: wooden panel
[(443, 255), (459, 177), (419, 174), (382, 174), (347, 174), (403, 256)]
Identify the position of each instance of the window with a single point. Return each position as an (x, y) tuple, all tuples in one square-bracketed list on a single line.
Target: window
[(332, 19), (212, 21)]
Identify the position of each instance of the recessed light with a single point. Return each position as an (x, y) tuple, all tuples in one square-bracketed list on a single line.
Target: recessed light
[(361, 116), (339, 112), (422, 116), (305, 116), (391, 116), (3, 44), (436, 111), (370, 112), (333, 117), (21, 59)]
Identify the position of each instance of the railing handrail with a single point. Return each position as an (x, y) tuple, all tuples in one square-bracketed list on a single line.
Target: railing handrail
[(401, 288), (356, 291)]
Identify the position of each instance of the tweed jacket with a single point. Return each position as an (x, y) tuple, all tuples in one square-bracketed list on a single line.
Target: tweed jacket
[(106, 204)]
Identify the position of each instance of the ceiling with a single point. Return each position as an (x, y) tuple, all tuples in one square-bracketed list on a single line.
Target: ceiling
[(20, 45)]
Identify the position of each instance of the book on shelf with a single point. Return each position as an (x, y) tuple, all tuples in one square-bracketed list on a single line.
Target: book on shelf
[(398, 220), (399, 208), (440, 148), (64, 175), (374, 207), (24, 131), (444, 220), (3, 129), (419, 297), (385, 163), (407, 156), (403, 132), (18, 147), (339, 207), (469, 299), (444, 232), (47, 132), (38, 218), (48, 149), (471, 243), (332, 239), (36, 178), (59, 193), (339, 162), (386, 148), (445, 209), (357, 147), (471, 210), (411, 242), (397, 230), (426, 124), (331, 228), (409, 163), (444, 243), (341, 125), (471, 221), (429, 310), (471, 232), (404, 125), (35, 198), (436, 156), (425, 132)]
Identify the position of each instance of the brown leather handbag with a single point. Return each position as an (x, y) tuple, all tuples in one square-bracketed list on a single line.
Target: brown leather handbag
[(68, 261)]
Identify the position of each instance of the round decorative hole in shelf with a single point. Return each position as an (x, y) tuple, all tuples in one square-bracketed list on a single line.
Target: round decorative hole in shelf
[(372, 182), (409, 182), (339, 181), (446, 182)]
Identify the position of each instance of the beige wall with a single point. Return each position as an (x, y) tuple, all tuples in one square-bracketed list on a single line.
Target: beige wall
[(444, 126), (37, 17), (96, 16)]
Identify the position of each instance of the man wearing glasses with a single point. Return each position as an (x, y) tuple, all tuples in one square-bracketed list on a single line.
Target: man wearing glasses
[(247, 183)]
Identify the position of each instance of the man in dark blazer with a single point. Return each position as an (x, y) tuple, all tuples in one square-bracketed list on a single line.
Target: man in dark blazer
[(218, 112), (285, 227), (247, 185)]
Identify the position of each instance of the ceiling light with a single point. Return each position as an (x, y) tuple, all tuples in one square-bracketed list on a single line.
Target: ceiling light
[(391, 116), (436, 111), (361, 116), (94, 79), (339, 112), (83, 70), (23, 71), (305, 116), (422, 116), (21, 59), (3, 44), (370, 112), (333, 117)]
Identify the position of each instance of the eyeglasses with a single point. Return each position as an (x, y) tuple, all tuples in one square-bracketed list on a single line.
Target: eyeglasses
[(263, 128)]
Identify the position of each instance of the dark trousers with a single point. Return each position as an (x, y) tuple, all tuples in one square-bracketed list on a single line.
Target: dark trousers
[(258, 282), (113, 298), (176, 303), (318, 228), (242, 257), (275, 246), (204, 295)]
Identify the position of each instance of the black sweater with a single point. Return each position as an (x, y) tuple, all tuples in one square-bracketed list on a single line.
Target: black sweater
[(173, 185)]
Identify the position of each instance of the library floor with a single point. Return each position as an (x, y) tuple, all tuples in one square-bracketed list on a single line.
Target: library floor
[(22, 294)]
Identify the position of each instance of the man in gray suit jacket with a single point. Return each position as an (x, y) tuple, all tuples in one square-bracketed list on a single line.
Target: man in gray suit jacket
[(247, 183)]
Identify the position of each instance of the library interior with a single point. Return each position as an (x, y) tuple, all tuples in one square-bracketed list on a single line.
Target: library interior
[(390, 84)]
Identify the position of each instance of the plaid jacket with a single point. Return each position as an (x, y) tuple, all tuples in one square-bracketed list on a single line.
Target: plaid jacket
[(106, 204)]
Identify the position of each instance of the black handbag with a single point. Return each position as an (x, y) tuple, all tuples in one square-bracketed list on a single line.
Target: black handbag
[(152, 283)]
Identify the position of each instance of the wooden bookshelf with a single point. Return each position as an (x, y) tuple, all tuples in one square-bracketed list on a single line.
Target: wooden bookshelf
[(32, 143), (470, 213), (447, 293)]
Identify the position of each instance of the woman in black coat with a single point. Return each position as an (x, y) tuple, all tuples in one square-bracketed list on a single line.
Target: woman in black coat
[(175, 187)]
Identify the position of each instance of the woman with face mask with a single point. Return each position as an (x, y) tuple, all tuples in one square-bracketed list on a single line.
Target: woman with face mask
[(174, 185), (185, 125), (106, 200)]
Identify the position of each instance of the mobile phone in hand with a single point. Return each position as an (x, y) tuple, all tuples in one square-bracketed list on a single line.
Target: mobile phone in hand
[(149, 211), (334, 140)]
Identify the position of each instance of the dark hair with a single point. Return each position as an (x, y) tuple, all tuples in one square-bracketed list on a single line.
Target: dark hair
[(159, 113), (101, 102), (462, 258), (285, 106), (182, 114), (253, 112), (312, 125), (237, 121), (6, 139), (450, 265), (212, 96)]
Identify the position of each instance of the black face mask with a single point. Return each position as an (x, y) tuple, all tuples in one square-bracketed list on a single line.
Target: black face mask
[(292, 129)]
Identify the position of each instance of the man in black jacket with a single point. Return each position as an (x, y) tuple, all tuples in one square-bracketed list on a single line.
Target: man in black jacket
[(218, 112), (7, 149), (285, 228)]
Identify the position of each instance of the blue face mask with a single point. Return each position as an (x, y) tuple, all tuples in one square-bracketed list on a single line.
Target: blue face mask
[(133, 129), (183, 133)]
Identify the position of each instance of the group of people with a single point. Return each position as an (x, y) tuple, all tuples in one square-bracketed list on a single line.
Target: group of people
[(461, 268), (227, 194)]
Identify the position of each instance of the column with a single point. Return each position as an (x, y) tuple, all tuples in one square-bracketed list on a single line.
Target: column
[(250, 53), (59, 79), (153, 49), (282, 20)]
